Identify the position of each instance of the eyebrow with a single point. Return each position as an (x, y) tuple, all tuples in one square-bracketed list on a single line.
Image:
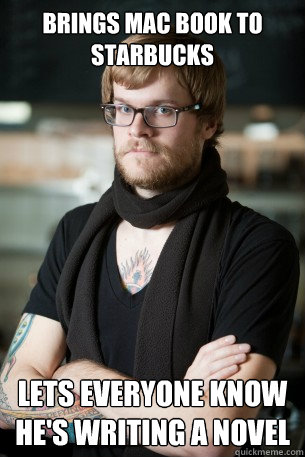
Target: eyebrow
[(153, 102)]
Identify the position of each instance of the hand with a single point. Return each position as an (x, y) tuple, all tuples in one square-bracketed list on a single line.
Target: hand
[(219, 359), (4, 425)]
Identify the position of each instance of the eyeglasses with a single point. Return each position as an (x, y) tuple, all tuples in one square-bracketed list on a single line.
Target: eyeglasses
[(121, 115)]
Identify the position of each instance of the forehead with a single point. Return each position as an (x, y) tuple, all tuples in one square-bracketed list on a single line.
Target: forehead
[(163, 87)]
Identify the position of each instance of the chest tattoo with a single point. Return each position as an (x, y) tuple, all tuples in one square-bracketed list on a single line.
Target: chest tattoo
[(137, 271)]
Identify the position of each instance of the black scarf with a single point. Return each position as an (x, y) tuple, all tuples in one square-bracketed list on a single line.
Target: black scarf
[(176, 315)]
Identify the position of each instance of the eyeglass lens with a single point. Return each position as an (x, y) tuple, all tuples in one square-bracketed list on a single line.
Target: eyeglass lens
[(155, 116)]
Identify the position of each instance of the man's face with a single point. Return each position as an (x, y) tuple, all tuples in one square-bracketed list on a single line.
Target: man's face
[(159, 159)]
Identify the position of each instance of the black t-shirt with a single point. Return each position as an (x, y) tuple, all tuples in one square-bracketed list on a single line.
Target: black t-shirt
[(117, 314), (254, 296)]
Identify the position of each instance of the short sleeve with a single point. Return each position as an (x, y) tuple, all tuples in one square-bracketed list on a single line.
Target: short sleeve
[(42, 298), (257, 292)]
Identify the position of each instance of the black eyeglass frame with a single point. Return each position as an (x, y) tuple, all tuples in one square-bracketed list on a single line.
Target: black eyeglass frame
[(196, 106)]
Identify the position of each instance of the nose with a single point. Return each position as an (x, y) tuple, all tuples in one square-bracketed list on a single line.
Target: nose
[(139, 127)]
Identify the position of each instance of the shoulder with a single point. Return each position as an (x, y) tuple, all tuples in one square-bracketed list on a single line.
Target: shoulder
[(73, 223), (248, 228), (252, 235), (79, 215)]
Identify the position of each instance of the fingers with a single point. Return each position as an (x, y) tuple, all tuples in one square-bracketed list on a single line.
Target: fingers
[(225, 373), (213, 345), (221, 363), (227, 351), (217, 356), (224, 357), (216, 344), (219, 349), (218, 359)]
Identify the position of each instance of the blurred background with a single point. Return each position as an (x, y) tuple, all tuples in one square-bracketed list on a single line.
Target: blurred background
[(56, 152)]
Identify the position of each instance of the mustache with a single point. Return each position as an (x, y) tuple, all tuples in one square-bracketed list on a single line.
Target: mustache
[(146, 145)]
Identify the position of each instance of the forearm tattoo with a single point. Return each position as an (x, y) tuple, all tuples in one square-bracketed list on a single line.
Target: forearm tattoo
[(74, 412), (4, 407), (20, 335), (8, 415), (9, 362)]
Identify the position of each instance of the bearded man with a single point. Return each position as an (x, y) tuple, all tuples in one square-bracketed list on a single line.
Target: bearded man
[(164, 277)]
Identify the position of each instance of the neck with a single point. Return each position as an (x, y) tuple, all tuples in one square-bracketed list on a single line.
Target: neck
[(146, 208), (146, 193), (144, 234)]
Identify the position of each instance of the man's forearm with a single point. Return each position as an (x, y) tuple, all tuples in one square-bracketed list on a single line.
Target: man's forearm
[(257, 367), (85, 369), (9, 412)]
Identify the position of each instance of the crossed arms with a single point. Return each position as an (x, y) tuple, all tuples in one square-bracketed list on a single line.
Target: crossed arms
[(39, 348)]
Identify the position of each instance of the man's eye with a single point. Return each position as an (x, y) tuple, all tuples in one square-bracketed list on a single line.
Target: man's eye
[(124, 109), (163, 110)]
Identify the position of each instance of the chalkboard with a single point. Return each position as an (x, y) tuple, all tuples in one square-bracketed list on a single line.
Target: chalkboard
[(264, 68)]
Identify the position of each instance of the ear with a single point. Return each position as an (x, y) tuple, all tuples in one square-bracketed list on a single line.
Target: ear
[(208, 129)]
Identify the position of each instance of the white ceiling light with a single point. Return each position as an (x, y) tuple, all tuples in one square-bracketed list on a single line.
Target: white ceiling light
[(15, 112)]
